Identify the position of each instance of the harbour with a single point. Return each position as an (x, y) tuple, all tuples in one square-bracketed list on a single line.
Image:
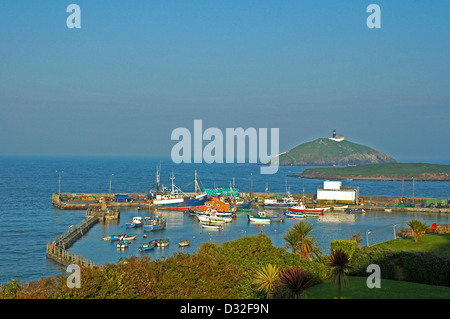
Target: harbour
[(32, 181)]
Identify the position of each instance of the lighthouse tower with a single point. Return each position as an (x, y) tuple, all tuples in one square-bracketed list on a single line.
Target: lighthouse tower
[(336, 138)]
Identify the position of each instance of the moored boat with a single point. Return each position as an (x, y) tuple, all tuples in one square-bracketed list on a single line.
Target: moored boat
[(136, 222), (119, 237), (154, 223), (212, 226), (212, 217), (184, 243), (162, 242), (122, 244), (301, 208), (261, 217), (148, 246), (293, 214), (283, 202)]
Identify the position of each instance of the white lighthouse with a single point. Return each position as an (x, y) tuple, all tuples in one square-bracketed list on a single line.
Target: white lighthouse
[(336, 138)]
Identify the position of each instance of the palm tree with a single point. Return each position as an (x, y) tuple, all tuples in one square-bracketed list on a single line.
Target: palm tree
[(266, 279), (295, 281), (339, 260), (292, 239), (417, 227), (297, 239)]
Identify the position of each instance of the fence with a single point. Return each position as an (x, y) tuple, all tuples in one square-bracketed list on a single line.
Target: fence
[(383, 233)]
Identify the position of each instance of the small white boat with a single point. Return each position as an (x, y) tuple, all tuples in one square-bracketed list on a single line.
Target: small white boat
[(211, 217), (215, 227), (294, 214), (261, 217), (122, 244), (184, 243)]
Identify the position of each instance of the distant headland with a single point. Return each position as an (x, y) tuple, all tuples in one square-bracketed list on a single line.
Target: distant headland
[(335, 150), (386, 171)]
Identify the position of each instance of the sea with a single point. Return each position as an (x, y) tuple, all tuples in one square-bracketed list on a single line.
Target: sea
[(28, 220)]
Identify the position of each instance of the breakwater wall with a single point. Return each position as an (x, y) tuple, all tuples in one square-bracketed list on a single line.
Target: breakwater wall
[(75, 201)]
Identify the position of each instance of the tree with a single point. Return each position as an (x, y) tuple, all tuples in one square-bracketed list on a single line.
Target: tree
[(266, 279), (417, 227), (339, 261), (294, 281), (297, 239)]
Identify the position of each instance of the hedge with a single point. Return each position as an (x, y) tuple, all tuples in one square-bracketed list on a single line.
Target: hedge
[(347, 246), (419, 267)]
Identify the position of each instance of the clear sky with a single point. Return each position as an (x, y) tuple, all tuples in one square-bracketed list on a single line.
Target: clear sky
[(136, 70)]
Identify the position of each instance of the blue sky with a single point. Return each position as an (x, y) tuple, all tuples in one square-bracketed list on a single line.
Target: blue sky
[(137, 70)]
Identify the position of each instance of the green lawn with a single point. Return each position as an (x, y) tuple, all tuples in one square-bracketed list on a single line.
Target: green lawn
[(390, 289), (387, 170), (433, 243)]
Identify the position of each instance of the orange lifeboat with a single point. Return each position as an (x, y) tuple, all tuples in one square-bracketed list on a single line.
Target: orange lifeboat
[(217, 204)]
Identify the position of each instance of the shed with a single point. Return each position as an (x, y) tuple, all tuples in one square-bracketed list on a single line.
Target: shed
[(121, 198)]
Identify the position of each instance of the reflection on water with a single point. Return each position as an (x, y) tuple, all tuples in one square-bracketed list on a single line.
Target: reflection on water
[(181, 226)]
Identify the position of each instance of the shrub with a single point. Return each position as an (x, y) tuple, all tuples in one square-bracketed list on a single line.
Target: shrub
[(419, 267), (347, 246)]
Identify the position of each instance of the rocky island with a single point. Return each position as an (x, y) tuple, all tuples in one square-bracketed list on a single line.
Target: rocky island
[(335, 150)]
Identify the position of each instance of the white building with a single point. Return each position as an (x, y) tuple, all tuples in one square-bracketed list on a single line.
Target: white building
[(333, 190)]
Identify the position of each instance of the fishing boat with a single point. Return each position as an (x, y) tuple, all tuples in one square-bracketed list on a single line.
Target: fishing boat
[(211, 217), (119, 237), (301, 208), (283, 202), (184, 243), (148, 246), (154, 223), (242, 207), (212, 226), (293, 214), (122, 244), (176, 198), (261, 217), (162, 242), (136, 222)]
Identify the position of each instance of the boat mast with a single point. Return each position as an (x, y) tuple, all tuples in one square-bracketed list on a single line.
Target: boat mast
[(172, 178), (197, 187), (158, 188)]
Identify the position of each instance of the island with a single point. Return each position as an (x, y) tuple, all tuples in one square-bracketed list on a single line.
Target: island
[(385, 171), (335, 150)]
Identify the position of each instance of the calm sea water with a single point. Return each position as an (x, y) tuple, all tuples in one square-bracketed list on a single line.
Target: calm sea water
[(28, 220)]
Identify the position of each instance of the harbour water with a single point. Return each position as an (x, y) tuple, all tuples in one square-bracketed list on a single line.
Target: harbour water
[(28, 220)]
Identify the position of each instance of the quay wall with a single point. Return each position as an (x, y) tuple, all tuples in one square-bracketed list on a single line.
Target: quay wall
[(90, 200)]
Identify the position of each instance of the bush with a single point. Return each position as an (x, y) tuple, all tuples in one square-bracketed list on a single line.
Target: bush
[(418, 267), (214, 271), (347, 246)]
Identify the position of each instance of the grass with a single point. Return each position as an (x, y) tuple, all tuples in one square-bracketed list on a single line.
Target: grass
[(356, 288), (433, 243), (392, 289), (387, 170)]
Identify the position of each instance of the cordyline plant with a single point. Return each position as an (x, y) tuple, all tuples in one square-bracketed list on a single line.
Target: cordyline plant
[(339, 261), (294, 281)]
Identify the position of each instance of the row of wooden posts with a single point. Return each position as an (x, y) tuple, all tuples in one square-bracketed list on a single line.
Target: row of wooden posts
[(65, 257), (56, 249)]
